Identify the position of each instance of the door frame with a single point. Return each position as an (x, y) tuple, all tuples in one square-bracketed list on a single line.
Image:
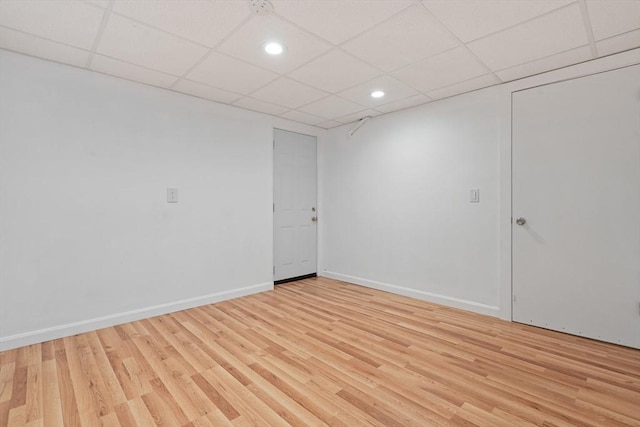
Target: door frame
[(273, 190)]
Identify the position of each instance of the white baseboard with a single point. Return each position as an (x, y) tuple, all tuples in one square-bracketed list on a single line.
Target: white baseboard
[(472, 306), (68, 329)]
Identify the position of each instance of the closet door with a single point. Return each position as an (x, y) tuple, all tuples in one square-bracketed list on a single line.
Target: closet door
[(576, 206)]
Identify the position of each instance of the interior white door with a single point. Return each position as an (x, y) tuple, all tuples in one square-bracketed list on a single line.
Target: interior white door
[(576, 183), (295, 214)]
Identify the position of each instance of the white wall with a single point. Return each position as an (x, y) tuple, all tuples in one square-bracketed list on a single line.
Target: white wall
[(86, 236), (396, 212), (87, 239), (394, 198)]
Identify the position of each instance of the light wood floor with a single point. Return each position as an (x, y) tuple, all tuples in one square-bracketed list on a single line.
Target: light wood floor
[(320, 352)]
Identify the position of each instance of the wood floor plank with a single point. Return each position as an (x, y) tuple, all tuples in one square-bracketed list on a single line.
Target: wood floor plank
[(17, 416), (88, 403), (124, 415), (227, 387), (52, 403), (6, 381), (34, 411), (68, 401), (321, 352), (110, 420), (160, 412), (140, 413)]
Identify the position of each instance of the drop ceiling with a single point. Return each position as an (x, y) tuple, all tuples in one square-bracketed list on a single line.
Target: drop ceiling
[(337, 51)]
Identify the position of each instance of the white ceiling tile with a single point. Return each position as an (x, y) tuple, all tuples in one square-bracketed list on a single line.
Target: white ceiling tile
[(612, 17), (338, 21), (329, 124), (393, 90), (354, 117), (127, 71), (247, 44), (138, 44), (204, 91), (202, 21), (471, 19), (42, 48), (552, 33), (72, 22), (102, 3), (451, 67), (400, 46), (332, 107), (406, 38), (288, 93), (231, 74), (462, 87), (299, 116), (260, 106), (552, 62), (404, 103), (335, 71), (619, 43)]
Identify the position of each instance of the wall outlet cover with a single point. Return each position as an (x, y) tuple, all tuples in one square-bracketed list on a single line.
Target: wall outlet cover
[(172, 195)]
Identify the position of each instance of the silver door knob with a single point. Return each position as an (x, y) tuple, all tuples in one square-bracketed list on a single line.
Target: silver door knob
[(314, 218), (521, 221)]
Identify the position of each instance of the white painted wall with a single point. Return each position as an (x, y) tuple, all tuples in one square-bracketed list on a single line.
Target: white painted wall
[(87, 239), (394, 209), (86, 236), (396, 212)]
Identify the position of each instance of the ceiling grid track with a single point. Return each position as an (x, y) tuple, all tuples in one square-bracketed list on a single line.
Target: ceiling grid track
[(103, 25), (337, 54), (584, 11)]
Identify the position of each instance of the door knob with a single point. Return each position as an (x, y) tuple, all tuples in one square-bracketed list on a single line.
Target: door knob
[(314, 218), (521, 221)]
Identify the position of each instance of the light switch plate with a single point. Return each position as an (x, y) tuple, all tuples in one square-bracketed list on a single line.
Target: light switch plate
[(474, 196), (172, 195)]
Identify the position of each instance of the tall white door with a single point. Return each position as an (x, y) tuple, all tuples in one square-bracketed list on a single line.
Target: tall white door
[(295, 214), (576, 206)]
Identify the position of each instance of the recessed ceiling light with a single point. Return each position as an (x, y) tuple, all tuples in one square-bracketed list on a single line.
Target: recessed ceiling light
[(377, 94), (274, 48)]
